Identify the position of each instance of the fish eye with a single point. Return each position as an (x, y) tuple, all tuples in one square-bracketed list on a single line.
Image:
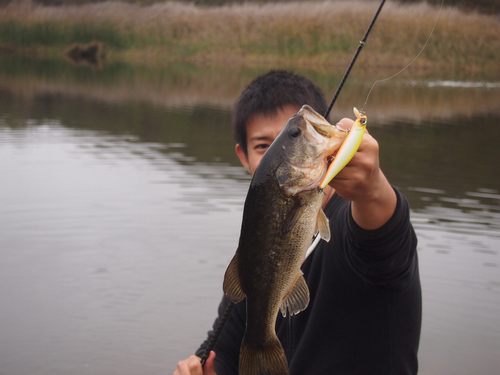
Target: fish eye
[(363, 121), (294, 132)]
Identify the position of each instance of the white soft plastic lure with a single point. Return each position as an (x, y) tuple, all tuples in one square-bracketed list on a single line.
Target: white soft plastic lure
[(348, 148)]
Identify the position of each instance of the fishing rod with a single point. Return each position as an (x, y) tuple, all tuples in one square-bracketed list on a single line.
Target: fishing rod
[(216, 334), (229, 307), (360, 47)]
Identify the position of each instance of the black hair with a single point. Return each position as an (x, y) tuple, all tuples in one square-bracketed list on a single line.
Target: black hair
[(270, 92)]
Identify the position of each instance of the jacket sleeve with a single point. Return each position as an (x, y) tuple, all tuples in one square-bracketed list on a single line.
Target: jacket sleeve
[(228, 344), (386, 256)]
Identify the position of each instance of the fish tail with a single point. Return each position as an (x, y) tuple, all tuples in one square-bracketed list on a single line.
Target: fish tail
[(268, 360)]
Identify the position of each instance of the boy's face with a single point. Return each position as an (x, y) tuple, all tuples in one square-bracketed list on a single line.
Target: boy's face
[(261, 132)]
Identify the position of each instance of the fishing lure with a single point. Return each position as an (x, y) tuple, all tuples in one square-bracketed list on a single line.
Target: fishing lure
[(348, 148)]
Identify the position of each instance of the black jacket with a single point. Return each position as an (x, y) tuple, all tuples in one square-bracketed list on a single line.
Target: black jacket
[(365, 312)]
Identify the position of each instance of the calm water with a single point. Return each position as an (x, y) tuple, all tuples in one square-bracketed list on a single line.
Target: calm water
[(121, 201)]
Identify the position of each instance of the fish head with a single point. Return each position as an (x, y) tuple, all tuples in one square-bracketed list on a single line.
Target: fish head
[(307, 143)]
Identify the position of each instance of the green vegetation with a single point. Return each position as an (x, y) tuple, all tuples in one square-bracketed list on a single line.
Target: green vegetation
[(285, 33), (59, 33)]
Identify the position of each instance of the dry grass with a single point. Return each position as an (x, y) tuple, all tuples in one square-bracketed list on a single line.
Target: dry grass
[(300, 33)]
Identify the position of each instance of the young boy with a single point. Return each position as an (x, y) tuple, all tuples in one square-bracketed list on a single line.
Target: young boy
[(365, 308)]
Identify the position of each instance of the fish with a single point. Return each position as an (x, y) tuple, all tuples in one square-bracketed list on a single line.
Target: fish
[(348, 148), (282, 213)]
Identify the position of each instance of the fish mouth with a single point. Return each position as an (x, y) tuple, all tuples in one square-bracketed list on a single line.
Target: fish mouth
[(328, 136), (319, 123)]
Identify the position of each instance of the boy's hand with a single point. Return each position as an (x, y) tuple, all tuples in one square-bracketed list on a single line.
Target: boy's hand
[(363, 183), (192, 366)]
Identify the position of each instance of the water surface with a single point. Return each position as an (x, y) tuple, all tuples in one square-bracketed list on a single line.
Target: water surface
[(121, 201)]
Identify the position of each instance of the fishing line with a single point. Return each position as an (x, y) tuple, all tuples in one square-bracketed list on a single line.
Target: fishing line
[(411, 62)]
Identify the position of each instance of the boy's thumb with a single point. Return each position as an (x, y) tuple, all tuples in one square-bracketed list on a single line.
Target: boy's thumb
[(208, 369)]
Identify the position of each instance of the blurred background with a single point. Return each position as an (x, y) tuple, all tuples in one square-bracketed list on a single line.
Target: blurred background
[(121, 196)]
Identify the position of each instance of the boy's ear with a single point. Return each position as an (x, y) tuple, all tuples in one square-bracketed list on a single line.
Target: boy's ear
[(243, 157)]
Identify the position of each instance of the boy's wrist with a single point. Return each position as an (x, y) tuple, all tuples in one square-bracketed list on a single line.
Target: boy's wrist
[(373, 209)]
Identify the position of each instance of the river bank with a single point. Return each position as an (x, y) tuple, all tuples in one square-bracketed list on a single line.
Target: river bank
[(292, 34)]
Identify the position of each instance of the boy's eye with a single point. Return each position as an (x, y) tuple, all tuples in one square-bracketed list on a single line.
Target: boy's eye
[(262, 146)]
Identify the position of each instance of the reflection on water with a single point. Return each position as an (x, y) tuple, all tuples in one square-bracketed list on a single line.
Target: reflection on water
[(488, 85), (118, 217), (106, 242)]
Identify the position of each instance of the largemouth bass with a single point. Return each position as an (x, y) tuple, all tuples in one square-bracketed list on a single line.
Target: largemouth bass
[(281, 214)]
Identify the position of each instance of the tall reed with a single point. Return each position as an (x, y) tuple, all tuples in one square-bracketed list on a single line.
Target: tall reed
[(304, 33)]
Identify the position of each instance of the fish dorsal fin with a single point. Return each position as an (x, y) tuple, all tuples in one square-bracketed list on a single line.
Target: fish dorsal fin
[(298, 297), (293, 214), (322, 226), (232, 284)]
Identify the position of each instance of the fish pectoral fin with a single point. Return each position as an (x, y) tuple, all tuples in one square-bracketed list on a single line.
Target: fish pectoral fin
[(322, 226), (293, 215), (298, 297), (232, 284)]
